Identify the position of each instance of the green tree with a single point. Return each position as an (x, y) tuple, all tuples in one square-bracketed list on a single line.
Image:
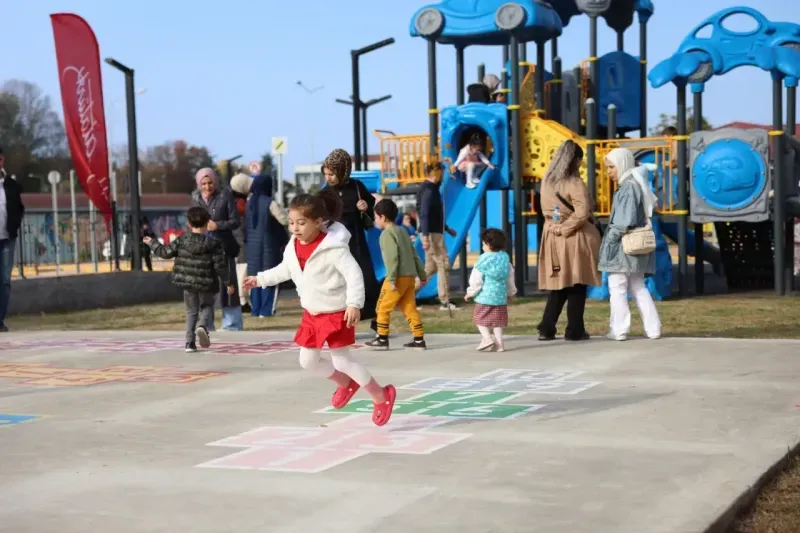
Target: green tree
[(665, 120), (31, 134)]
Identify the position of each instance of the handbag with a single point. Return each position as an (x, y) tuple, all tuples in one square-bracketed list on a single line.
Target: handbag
[(639, 241), (365, 219), (593, 221)]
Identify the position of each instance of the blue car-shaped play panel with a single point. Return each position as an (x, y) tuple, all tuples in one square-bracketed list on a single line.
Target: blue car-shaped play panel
[(485, 22)]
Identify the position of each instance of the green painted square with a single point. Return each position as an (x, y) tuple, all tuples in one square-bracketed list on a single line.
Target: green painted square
[(464, 410), (469, 397), (401, 407)]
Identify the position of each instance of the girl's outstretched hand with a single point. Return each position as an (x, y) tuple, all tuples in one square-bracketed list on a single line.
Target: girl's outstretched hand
[(250, 282), (351, 316)]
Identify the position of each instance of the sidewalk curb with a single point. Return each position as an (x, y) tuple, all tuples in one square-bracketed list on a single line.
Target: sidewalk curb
[(747, 499)]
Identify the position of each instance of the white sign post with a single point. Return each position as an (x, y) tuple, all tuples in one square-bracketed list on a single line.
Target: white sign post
[(75, 251), (54, 177), (280, 147)]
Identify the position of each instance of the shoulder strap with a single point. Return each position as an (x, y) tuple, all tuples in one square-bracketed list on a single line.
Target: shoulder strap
[(565, 202)]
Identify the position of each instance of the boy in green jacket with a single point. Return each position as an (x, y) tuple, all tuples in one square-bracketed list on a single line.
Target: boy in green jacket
[(405, 273)]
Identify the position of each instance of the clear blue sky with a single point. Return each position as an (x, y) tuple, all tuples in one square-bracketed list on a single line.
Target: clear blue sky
[(222, 74)]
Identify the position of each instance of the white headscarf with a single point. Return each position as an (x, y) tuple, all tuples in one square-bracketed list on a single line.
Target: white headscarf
[(623, 160)]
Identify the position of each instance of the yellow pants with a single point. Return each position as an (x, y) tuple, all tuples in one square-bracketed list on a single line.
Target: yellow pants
[(404, 297)]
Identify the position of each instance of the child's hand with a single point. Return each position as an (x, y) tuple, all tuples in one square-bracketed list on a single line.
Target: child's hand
[(351, 316), (231, 289), (392, 286), (452, 169), (250, 282), (212, 226), (510, 298), (467, 297), (147, 240), (418, 283)]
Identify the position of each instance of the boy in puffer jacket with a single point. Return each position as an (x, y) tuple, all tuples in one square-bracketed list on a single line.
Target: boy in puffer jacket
[(199, 263), (491, 284)]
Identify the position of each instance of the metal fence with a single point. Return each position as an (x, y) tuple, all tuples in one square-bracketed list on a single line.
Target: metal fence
[(71, 243)]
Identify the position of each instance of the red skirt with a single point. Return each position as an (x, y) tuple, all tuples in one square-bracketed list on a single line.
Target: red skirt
[(316, 330), (491, 316)]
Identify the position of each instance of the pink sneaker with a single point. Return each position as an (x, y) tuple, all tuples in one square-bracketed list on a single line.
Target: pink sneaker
[(343, 395), (382, 412)]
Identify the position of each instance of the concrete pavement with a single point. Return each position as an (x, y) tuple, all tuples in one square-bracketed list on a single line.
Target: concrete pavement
[(122, 431)]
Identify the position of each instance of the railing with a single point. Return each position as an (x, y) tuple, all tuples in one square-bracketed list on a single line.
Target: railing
[(665, 177), (36, 253), (403, 158)]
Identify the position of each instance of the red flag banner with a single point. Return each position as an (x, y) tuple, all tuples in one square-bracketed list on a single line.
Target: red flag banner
[(82, 96)]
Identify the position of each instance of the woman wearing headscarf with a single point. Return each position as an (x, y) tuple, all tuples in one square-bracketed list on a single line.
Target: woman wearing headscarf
[(632, 208), (240, 185), (357, 217), (265, 224), (568, 254), (225, 220)]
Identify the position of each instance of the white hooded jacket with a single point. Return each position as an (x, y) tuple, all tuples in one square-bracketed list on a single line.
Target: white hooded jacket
[(332, 280)]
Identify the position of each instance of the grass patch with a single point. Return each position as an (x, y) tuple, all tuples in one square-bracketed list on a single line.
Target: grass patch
[(745, 316), (777, 508)]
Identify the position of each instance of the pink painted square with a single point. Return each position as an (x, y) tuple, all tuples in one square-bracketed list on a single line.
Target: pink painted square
[(283, 459)]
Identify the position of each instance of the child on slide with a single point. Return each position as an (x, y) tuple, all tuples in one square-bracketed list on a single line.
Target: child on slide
[(471, 160), (331, 289)]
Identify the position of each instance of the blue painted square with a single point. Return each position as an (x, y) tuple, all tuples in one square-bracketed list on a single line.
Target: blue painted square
[(8, 420)]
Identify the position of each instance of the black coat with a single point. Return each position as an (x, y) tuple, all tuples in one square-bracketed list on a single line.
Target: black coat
[(350, 192), (15, 209), (200, 262)]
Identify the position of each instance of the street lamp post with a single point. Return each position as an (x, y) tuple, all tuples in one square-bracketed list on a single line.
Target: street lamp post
[(364, 106), (133, 164), (229, 167), (310, 131), (354, 56)]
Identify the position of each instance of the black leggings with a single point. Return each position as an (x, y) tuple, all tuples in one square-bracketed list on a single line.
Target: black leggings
[(575, 298)]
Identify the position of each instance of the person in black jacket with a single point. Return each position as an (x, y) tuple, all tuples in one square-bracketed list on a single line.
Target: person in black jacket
[(357, 216), (200, 263), (11, 213), (430, 207)]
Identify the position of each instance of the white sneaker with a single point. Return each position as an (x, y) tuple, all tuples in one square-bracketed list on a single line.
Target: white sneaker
[(654, 337), (499, 346), (449, 306), (470, 185), (485, 345), (613, 337), (202, 337)]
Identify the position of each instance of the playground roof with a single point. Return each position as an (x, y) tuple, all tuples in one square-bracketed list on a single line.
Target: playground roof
[(618, 14), (713, 48)]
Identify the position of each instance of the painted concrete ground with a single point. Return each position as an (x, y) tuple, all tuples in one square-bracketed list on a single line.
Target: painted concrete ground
[(124, 432)]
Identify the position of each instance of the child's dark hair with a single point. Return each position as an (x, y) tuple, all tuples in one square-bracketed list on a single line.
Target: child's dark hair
[(197, 217), (326, 204), (476, 139), (669, 131), (387, 208), (495, 238), (430, 168)]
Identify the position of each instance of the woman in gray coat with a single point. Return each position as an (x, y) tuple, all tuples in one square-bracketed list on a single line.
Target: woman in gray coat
[(632, 208), (224, 224)]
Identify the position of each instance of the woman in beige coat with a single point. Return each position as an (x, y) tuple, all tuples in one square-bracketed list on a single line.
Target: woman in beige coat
[(569, 250)]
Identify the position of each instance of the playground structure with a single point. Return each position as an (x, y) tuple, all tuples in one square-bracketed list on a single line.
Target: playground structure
[(737, 182)]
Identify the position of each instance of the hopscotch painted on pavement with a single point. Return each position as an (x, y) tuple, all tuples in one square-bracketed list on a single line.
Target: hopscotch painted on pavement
[(446, 400), (153, 345)]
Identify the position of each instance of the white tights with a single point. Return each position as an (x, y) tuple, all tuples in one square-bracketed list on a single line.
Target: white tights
[(311, 359), (487, 335)]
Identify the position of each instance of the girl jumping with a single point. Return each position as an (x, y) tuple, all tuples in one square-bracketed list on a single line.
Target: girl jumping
[(331, 289)]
